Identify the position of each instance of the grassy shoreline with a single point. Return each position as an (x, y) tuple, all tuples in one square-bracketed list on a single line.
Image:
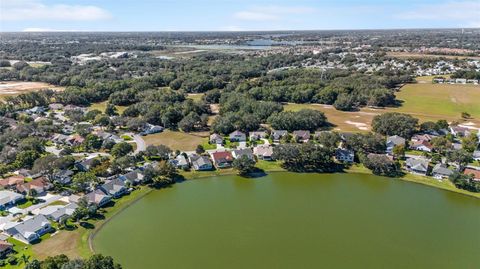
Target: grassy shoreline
[(83, 245)]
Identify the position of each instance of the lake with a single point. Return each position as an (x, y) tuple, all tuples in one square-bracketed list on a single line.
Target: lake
[(287, 220)]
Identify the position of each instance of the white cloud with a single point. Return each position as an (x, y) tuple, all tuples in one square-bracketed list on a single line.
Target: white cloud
[(465, 13), (270, 13), (25, 10), (34, 29)]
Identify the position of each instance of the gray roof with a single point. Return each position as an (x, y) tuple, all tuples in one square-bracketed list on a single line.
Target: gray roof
[(442, 170), (396, 140), (417, 164), (28, 229), (9, 197), (199, 160), (476, 154), (243, 152), (133, 176), (113, 186)]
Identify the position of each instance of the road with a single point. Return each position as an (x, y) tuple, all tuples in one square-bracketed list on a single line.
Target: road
[(141, 146)]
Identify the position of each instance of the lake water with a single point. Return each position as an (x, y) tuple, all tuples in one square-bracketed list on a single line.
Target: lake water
[(287, 220)]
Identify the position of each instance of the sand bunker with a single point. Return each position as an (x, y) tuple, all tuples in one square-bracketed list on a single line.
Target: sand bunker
[(359, 125)]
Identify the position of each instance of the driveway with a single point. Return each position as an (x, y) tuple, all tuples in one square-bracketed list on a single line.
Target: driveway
[(141, 145)]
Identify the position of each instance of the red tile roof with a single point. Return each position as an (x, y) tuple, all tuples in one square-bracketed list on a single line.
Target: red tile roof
[(475, 173)]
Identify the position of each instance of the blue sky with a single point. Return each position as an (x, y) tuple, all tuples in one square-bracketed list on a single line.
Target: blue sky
[(229, 15)]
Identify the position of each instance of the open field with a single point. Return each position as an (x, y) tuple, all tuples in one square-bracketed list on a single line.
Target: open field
[(12, 88), (195, 96), (177, 140), (424, 101), (103, 105), (405, 55)]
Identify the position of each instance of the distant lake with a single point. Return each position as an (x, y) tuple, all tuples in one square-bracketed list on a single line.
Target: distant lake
[(287, 220)]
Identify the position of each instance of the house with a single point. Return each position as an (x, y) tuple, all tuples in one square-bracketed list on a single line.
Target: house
[(422, 146), (63, 176), (35, 110), (106, 136), (60, 213), (216, 139), (9, 198), (475, 173), (38, 185), (75, 140), (135, 177), (393, 141), (472, 81), (238, 153), (301, 136), (422, 137), (440, 171), (263, 152), (115, 188), (257, 135), (55, 106), (344, 155), (151, 129), (30, 229), (237, 136), (98, 198), (200, 163), (180, 162), (5, 248), (87, 164), (278, 134), (417, 166), (438, 80), (222, 159), (459, 131), (11, 181), (476, 155), (60, 139), (461, 81)]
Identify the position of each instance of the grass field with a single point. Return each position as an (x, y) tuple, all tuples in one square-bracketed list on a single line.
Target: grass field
[(12, 88), (103, 105), (177, 140), (195, 96), (425, 101)]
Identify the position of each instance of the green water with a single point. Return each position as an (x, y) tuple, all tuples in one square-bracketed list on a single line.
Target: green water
[(289, 220)]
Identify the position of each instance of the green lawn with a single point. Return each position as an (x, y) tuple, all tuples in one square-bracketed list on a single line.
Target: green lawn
[(103, 105), (177, 140)]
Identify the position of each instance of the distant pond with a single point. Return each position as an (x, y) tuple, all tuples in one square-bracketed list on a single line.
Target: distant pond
[(287, 220)]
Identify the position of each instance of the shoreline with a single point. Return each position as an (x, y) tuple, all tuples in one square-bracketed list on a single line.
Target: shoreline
[(86, 245)]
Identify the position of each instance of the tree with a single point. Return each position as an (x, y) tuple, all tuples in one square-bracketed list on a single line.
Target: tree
[(190, 122), (328, 139), (305, 119), (466, 115), (460, 157), (164, 173), (307, 157), (441, 144), (380, 164), (111, 110), (82, 180), (121, 149), (244, 165), (393, 123), (366, 143), (161, 151), (92, 142), (465, 182), (399, 151), (199, 149), (470, 143)]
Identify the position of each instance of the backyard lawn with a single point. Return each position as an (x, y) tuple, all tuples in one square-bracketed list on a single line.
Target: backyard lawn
[(103, 105), (177, 140)]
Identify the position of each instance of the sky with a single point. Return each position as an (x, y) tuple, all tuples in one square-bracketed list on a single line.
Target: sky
[(238, 15)]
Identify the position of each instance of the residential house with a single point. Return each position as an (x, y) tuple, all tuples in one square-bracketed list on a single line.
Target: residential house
[(55, 106), (75, 140), (393, 141), (151, 129), (63, 176), (475, 173), (61, 139), (9, 198), (278, 134), (422, 137), (237, 136), (238, 153), (344, 155), (476, 155), (441, 171), (87, 164), (301, 136), (180, 162), (11, 181), (417, 166), (106, 136), (30, 229), (257, 135), (216, 139), (38, 185), (35, 110), (422, 146), (5, 248), (222, 159), (98, 198), (459, 131), (135, 177), (461, 81), (200, 162), (263, 152), (115, 188), (58, 212)]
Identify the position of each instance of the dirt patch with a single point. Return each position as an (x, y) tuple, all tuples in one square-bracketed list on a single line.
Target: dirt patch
[(9, 88), (215, 108), (359, 125)]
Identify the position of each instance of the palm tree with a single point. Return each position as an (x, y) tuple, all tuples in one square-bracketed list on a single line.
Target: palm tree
[(24, 258)]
